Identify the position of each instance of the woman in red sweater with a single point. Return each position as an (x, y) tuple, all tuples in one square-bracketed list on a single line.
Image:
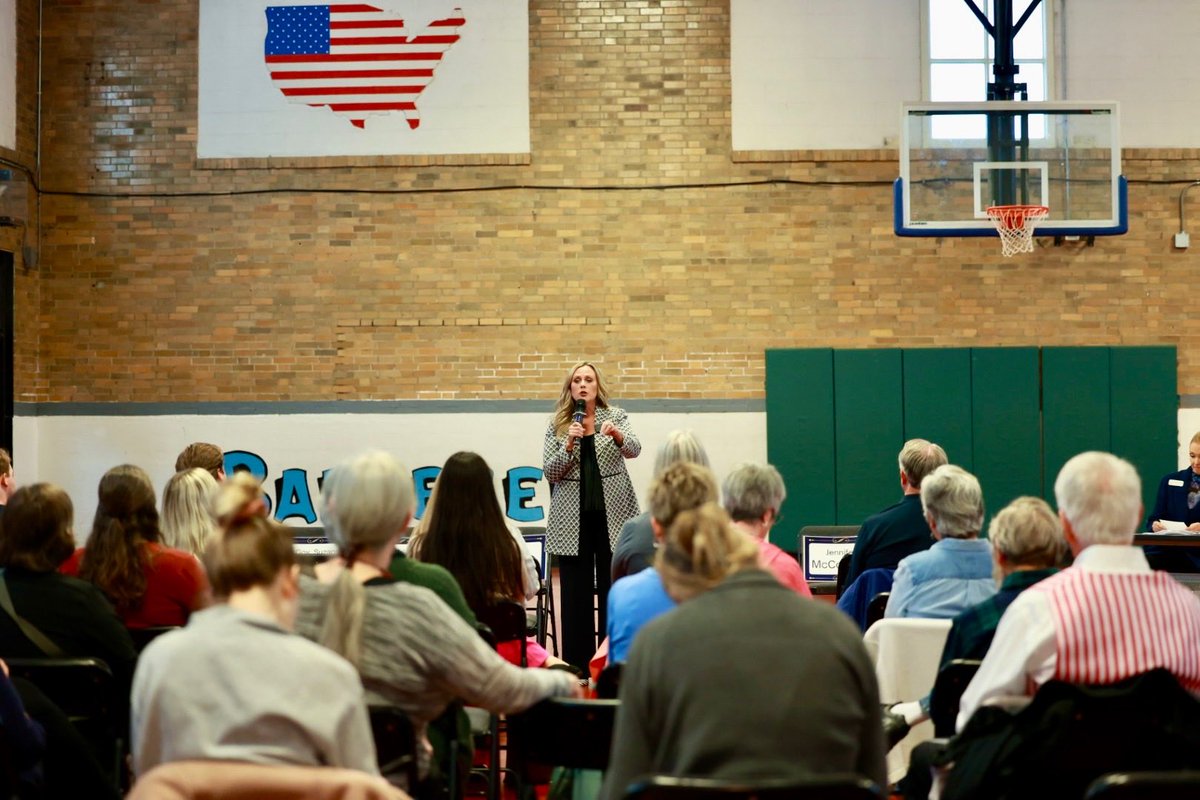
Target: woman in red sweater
[(149, 584)]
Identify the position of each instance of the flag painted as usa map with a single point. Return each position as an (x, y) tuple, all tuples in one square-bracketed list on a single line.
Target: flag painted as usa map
[(355, 59)]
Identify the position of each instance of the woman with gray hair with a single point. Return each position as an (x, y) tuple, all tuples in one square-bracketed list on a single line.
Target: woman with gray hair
[(635, 545), (753, 494), (956, 573), (410, 648)]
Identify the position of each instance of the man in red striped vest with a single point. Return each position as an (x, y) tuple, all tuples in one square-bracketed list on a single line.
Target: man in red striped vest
[(1107, 617)]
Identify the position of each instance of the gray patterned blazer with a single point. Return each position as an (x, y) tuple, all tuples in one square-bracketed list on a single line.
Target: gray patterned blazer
[(562, 470)]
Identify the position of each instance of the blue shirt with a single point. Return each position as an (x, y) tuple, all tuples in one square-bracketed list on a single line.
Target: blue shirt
[(632, 602), (943, 581)]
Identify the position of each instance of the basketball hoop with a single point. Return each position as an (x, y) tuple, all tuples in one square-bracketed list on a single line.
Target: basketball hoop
[(1015, 225)]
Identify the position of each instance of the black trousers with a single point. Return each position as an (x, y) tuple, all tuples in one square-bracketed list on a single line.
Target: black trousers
[(582, 578)]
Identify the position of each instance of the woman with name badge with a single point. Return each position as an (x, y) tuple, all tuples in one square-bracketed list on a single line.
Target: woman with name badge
[(1177, 508), (591, 497)]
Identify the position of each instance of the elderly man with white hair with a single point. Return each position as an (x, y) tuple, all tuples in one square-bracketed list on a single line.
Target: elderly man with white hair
[(956, 573), (1106, 618)]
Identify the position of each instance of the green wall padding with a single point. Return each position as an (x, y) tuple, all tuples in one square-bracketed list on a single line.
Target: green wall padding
[(869, 429), (800, 433), (937, 401), (1006, 424), (1143, 392), (1012, 416), (1075, 407)]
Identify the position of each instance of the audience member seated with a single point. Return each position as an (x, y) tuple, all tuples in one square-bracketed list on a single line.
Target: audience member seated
[(635, 545), (205, 456), (7, 484), (187, 511), (745, 680), (636, 599), (956, 573), (67, 616), (463, 530), (236, 684), (899, 530), (1027, 547), (411, 650), (149, 584), (754, 493), (1103, 619), (240, 496)]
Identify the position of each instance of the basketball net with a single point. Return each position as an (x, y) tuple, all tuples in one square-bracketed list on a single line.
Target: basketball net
[(1015, 224)]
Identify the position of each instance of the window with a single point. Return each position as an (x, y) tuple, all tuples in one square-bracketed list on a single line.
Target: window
[(958, 54)]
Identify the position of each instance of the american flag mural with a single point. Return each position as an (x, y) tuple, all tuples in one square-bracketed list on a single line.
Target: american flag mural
[(312, 78), (354, 58)]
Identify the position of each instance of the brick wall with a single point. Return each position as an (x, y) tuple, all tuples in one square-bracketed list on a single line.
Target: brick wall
[(676, 291)]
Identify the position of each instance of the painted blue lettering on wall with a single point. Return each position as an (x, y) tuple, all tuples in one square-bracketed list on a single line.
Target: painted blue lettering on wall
[(245, 461), (424, 477), (519, 488), (294, 499)]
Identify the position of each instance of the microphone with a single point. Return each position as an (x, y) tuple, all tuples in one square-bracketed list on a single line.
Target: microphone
[(580, 409)]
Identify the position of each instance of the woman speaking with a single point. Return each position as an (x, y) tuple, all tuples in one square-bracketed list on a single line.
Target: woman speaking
[(591, 497)]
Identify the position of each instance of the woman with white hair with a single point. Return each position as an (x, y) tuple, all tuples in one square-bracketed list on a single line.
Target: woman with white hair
[(411, 650), (956, 573), (753, 494), (635, 546)]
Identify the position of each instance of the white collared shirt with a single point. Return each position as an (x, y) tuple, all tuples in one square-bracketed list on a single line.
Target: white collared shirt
[(1023, 654)]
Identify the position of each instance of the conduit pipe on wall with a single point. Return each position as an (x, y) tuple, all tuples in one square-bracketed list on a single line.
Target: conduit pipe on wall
[(1181, 238)]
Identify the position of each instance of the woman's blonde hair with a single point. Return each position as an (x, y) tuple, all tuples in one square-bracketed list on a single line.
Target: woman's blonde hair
[(701, 549), (237, 495), (187, 510), (365, 502), (565, 406)]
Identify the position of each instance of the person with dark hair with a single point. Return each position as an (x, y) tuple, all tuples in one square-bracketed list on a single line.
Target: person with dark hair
[(149, 584), (464, 531), (206, 456), (412, 650), (59, 615), (591, 498), (236, 684)]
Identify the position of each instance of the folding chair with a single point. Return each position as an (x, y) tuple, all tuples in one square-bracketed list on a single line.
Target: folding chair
[(395, 744), (502, 622), (830, 787), (877, 608), (86, 692), (561, 732), (948, 689), (608, 685), (144, 636)]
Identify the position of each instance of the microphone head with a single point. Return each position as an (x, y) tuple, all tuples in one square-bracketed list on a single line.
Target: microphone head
[(580, 406)]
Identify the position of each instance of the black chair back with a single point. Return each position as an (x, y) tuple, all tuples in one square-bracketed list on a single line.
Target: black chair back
[(608, 684), (563, 732), (507, 623), (842, 571), (144, 636), (82, 687), (951, 681), (830, 787), (395, 743), (1182, 785), (876, 608)]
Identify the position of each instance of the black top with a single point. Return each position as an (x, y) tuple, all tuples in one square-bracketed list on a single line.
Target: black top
[(73, 614), (591, 485), (894, 533)]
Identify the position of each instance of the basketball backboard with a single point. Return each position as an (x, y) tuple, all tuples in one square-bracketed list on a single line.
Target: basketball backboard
[(956, 159)]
